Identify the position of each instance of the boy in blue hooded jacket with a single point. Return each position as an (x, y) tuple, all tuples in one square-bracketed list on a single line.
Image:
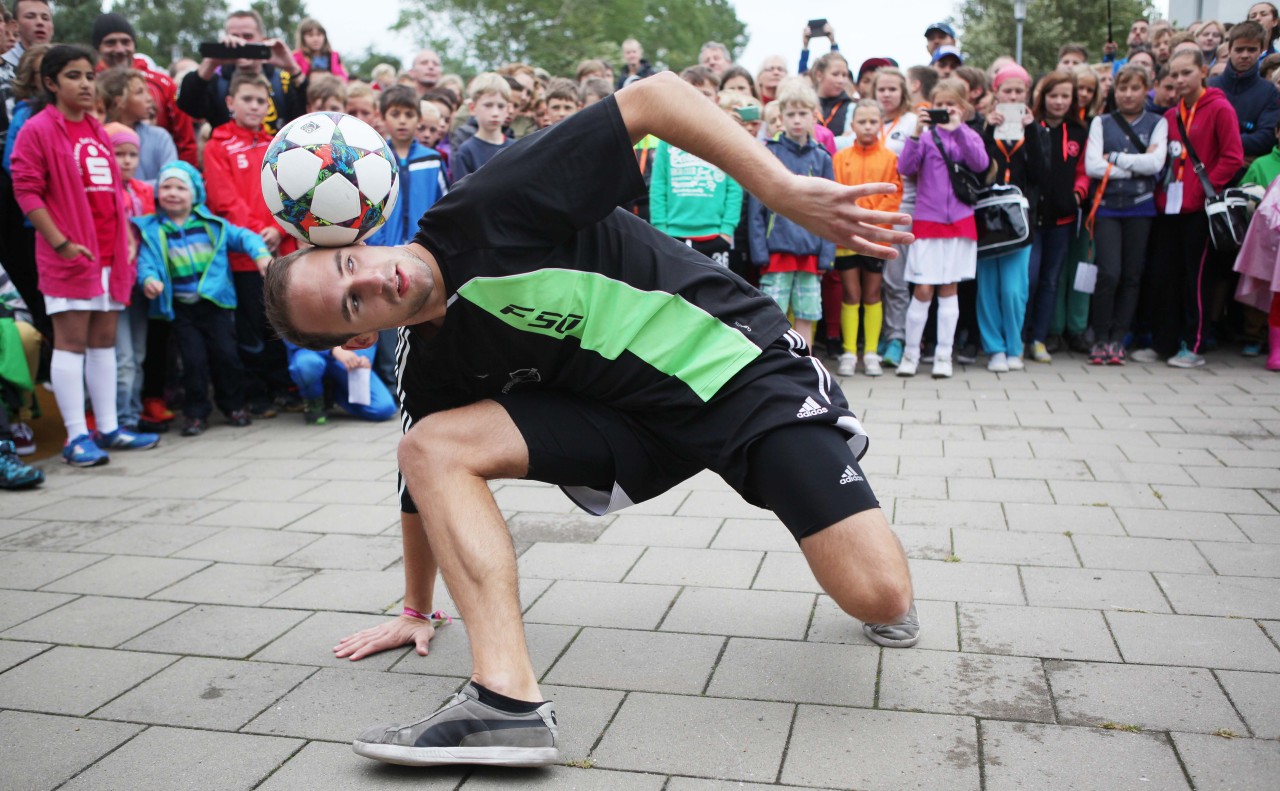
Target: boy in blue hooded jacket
[(184, 270)]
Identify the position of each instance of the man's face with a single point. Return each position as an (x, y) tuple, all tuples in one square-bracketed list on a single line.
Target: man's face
[(946, 66), (358, 290), (1138, 33), (426, 68), (631, 53), (1244, 54), (713, 59), (246, 28), (117, 50), (936, 38), (35, 23)]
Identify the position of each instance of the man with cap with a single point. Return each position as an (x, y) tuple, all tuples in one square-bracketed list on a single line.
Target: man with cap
[(867, 74), (939, 34), (115, 40), (946, 59)]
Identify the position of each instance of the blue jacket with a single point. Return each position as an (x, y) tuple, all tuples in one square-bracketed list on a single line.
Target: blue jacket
[(1257, 105), (773, 233), (216, 284), (422, 183)]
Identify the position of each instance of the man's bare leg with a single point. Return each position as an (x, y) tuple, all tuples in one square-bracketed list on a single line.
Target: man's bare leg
[(447, 460), (859, 562)]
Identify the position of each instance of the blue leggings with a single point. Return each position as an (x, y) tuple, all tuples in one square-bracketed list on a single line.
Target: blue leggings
[(310, 370), (1002, 300)]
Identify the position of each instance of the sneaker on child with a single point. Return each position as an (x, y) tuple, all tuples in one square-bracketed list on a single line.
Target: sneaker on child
[(14, 472), (82, 451), (124, 439), (998, 364), (1185, 358), (848, 364), (468, 730), (871, 365), (1039, 353), (1147, 355), (893, 353), (24, 439), (907, 365)]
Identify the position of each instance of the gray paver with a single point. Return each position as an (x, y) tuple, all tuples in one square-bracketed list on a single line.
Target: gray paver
[(71, 680), (568, 777), (13, 652), (920, 751), (199, 692), (228, 583), (1262, 529), (1021, 755), (965, 581), (949, 513), (1241, 597), (663, 531), (450, 651), (1142, 554), (96, 621), (1013, 546), (1247, 560), (331, 589), (327, 765), (1036, 631), (1093, 589), (151, 539), (733, 739), (786, 571), (58, 535), (247, 545), (782, 670), (31, 570), (767, 535), (1191, 640), (169, 758), (343, 518), (1061, 518), (274, 514), (213, 630), (616, 604), (1255, 695), (124, 575), (743, 613), (1154, 698), (337, 705), (1174, 524), (583, 714), (591, 562), (1000, 687), (30, 764), (18, 606), (311, 642), (717, 568), (1217, 764), (624, 659)]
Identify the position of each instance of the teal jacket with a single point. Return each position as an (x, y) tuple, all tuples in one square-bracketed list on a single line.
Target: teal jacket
[(216, 284), (689, 197)]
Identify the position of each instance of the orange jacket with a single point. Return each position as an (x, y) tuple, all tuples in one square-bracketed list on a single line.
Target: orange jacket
[(859, 164), (232, 176)]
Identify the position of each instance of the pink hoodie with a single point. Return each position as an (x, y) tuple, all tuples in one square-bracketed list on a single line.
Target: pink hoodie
[(46, 176)]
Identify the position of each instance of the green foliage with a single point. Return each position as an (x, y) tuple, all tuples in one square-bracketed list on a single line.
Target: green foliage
[(361, 66), (557, 34), (989, 30), (280, 18), (73, 21), (171, 29)]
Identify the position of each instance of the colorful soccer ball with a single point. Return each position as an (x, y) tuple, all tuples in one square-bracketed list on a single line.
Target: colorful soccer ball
[(330, 179)]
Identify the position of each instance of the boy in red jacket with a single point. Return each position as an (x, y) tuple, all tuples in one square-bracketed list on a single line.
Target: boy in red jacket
[(232, 168)]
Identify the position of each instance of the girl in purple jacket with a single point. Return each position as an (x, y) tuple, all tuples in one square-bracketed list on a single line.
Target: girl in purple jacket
[(67, 183), (946, 247)]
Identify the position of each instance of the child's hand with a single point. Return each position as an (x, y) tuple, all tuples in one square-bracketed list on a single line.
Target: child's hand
[(402, 630), (152, 288), (271, 238), (73, 251), (350, 360)]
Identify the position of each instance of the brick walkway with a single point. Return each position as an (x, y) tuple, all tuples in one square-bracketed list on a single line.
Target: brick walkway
[(1095, 555)]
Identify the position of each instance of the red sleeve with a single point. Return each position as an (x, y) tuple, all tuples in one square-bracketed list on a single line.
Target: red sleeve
[(220, 183), (1082, 180), (1230, 159)]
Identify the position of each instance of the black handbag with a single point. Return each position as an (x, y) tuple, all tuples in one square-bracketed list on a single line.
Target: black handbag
[(1003, 217), (964, 182), (1228, 211)]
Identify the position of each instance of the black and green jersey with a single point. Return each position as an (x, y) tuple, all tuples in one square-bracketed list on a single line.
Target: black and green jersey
[(550, 286)]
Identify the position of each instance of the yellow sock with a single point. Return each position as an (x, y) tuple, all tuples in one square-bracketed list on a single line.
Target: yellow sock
[(873, 318), (849, 327)]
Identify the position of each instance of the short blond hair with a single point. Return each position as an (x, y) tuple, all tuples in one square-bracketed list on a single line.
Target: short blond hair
[(954, 88), (429, 111), (488, 82), (798, 92)]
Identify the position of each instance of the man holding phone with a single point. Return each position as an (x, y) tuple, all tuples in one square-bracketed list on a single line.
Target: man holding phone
[(816, 28), (242, 47)]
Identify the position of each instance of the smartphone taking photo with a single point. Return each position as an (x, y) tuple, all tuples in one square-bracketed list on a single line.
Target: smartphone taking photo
[(220, 51), (817, 28), (938, 117)]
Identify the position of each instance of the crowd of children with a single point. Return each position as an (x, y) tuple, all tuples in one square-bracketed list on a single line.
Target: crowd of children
[(150, 269)]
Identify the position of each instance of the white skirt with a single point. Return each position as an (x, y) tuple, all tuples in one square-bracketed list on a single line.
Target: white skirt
[(101, 303), (937, 262)]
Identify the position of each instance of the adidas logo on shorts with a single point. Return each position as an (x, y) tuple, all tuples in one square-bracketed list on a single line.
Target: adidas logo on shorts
[(850, 475), (810, 408)]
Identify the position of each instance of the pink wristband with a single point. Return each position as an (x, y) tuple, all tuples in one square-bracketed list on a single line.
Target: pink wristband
[(437, 616), (412, 613)]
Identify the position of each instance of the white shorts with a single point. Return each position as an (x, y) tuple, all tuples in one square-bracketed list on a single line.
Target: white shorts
[(937, 262), (101, 303)]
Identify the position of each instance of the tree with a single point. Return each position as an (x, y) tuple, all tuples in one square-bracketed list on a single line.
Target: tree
[(171, 29), (361, 65), (73, 21), (989, 30), (280, 18), (557, 34)]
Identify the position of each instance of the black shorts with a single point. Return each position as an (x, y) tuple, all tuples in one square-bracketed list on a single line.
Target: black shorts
[(780, 433), (865, 262), (715, 248)]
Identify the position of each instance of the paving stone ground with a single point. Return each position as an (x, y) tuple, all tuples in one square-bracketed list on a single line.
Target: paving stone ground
[(1096, 555)]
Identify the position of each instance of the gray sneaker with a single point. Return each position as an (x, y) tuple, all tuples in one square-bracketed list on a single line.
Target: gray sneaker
[(902, 634), (466, 731)]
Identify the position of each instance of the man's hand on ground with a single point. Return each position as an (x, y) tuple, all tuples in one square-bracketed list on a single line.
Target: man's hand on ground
[(399, 631), (829, 210)]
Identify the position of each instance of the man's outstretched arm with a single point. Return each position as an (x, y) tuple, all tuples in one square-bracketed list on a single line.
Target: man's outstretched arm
[(667, 107)]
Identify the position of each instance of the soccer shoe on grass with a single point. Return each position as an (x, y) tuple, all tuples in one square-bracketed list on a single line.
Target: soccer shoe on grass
[(466, 731), (903, 634)]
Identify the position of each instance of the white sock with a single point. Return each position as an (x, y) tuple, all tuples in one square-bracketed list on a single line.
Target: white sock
[(948, 317), (100, 377), (917, 317), (66, 374)]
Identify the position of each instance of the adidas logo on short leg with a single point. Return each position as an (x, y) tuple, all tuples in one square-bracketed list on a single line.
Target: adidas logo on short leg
[(810, 408), (850, 475)]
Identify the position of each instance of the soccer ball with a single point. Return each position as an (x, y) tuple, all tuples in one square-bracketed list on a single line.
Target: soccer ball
[(330, 179)]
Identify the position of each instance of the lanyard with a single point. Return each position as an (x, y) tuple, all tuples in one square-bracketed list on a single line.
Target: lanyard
[(827, 121), (1187, 121), (1008, 157), (886, 131), (1065, 153)]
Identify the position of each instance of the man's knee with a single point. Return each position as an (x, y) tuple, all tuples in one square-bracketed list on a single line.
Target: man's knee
[(478, 440)]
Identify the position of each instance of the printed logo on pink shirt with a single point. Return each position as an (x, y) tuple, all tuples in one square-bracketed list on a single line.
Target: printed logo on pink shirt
[(94, 165)]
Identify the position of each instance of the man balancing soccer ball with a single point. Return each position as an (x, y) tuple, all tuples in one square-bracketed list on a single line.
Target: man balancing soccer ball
[(548, 335)]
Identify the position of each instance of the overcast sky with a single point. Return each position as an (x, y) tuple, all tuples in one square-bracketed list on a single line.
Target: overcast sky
[(866, 28)]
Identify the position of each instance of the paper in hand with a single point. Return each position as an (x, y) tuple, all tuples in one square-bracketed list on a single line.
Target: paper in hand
[(1086, 277), (1011, 129), (358, 386)]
